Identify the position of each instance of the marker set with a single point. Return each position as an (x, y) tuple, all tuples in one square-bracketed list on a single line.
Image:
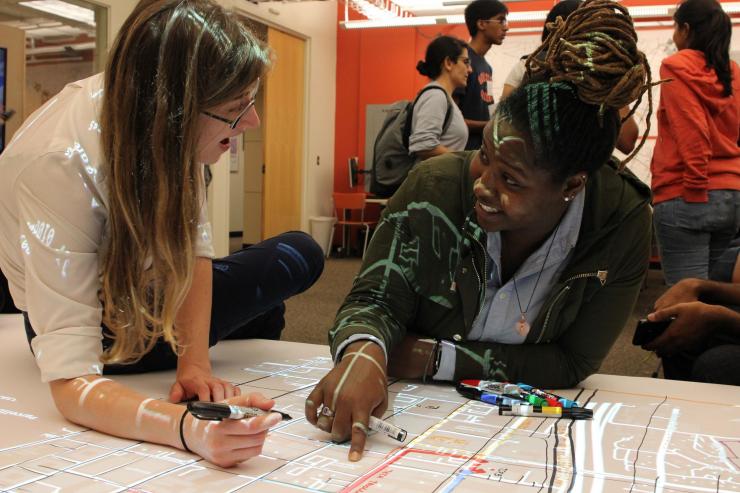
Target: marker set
[(522, 399)]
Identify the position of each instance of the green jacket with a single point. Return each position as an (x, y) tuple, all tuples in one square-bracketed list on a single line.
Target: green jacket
[(425, 270)]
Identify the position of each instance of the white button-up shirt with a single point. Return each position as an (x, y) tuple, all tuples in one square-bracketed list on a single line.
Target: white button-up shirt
[(53, 219)]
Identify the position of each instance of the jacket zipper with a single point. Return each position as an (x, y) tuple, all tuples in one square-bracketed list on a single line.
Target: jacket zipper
[(600, 275), (481, 281)]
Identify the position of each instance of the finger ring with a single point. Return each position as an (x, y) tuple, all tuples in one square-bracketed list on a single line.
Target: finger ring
[(325, 411)]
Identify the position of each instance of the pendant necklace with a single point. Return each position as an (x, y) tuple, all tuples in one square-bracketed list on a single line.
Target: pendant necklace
[(522, 326)]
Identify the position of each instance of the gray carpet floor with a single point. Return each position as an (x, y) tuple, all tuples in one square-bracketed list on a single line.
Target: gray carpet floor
[(310, 315)]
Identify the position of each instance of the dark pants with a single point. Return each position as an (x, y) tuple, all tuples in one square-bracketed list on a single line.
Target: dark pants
[(716, 360), (249, 290)]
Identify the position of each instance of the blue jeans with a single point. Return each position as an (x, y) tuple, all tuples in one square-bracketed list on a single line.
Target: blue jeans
[(249, 290), (692, 236)]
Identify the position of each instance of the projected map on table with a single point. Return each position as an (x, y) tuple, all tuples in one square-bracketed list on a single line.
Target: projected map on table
[(635, 443)]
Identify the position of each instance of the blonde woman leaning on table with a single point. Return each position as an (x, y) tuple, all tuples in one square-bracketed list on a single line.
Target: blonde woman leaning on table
[(106, 243)]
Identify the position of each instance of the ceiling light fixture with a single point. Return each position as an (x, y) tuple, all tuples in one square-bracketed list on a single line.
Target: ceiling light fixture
[(390, 20), (63, 9), (376, 9)]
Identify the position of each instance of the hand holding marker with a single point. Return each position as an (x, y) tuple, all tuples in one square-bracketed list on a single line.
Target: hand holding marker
[(216, 411), (522, 400)]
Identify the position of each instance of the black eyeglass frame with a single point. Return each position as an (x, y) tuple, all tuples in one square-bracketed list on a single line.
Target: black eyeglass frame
[(233, 123)]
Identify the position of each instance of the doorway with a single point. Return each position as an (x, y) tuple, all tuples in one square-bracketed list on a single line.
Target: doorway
[(47, 48), (273, 155)]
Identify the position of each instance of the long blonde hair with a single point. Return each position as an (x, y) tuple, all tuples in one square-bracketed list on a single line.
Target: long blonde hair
[(171, 60)]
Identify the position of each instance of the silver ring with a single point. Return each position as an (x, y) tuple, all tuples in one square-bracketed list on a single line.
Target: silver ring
[(325, 411)]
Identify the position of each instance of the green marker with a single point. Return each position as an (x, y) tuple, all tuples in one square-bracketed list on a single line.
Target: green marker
[(533, 399)]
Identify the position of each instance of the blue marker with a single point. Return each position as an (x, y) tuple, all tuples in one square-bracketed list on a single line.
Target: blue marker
[(497, 400), (470, 392), (567, 403)]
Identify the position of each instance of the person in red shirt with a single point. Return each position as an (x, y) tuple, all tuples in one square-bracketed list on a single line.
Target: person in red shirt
[(696, 162)]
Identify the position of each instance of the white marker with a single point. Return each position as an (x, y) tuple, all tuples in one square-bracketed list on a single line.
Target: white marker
[(389, 429)]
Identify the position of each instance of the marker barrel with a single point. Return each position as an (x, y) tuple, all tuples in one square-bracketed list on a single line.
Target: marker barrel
[(389, 429), (545, 411)]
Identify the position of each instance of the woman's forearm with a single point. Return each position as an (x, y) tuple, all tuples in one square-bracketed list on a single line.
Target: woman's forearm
[(194, 317), (435, 151), (107, 406)]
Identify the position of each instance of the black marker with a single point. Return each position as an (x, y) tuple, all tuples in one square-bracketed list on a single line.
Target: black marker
[(546, 411), (217, 411)]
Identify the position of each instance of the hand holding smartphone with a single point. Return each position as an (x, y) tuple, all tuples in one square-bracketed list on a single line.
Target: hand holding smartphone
[(646, 330)]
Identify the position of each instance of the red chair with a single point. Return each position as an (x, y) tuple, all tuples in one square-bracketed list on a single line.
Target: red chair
[(344, 204)]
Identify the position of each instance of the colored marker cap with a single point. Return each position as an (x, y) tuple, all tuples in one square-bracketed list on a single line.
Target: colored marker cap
[(553, 402), (567, 403)]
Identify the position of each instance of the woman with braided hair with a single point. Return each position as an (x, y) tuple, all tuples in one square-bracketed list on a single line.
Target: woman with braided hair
[(629, 130), (519, 262), (696, 161)]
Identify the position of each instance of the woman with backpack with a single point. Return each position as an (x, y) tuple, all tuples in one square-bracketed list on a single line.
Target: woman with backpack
[(430, 125), (437, 125), (696, 162)]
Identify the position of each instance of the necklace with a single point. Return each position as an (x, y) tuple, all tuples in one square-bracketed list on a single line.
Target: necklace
[(522, 326)]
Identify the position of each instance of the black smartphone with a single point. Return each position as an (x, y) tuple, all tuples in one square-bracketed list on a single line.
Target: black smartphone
[(646, 330)]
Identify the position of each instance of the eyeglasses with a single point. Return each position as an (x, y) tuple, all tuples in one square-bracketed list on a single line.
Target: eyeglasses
[(233, 123), (502, 21)]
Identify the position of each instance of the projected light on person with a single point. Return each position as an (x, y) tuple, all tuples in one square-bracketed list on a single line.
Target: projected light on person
[(42, 230)]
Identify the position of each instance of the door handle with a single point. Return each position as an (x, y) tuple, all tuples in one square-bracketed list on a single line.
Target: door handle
[(7, 114)]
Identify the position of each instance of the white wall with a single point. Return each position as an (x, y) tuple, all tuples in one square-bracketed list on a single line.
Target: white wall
[(317, 23), (655, 43), (118, 10)]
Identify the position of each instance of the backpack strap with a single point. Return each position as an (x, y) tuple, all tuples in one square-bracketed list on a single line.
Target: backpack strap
[(410, 114)]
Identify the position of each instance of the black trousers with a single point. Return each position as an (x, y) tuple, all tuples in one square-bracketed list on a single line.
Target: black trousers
[(717, 359), (249, 290)]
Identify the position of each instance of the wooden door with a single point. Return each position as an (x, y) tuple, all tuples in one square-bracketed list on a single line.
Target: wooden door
[(283, 146), (14, 41)]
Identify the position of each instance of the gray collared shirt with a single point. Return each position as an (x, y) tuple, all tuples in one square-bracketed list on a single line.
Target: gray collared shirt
[(498, 317)]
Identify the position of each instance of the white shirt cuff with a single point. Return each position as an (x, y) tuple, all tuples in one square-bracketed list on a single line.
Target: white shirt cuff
[(446, 370), (355, 338)]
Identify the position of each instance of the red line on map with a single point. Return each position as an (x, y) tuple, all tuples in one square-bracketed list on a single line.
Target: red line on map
[(365, 482)]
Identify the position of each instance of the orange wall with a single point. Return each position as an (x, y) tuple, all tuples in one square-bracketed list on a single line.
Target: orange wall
[(377, 66), (374, 66)]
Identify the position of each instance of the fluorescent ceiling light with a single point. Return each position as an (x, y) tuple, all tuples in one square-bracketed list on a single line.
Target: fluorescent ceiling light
[(63, 9), (513, 17), (378, 9)]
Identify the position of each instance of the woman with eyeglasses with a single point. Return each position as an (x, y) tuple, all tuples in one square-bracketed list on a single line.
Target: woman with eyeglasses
[(107, 244), (437, 125)]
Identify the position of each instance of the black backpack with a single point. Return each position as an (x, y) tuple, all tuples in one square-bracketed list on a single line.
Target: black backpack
[(391, 159)]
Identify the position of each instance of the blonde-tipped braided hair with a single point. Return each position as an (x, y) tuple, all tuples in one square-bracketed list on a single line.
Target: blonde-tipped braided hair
[(595, 51)]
